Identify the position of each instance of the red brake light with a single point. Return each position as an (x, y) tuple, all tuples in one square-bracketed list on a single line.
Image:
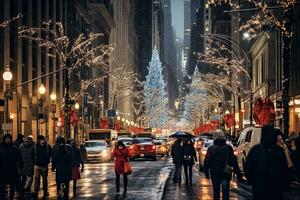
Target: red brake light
[(153, 147)]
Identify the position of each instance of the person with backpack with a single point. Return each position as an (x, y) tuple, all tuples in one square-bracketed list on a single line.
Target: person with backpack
[(219, 164), (27, 150), (266, 167), (43, 153)]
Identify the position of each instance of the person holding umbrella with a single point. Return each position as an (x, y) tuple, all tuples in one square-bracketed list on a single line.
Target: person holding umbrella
[(177, 155)]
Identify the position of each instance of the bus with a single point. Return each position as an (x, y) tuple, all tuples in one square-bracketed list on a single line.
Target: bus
[(103, 134)]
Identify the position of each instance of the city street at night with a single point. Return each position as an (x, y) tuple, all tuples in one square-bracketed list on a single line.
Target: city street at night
[(149, 100)]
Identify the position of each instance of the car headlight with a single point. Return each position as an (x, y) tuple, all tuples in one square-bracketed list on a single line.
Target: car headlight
[(104, 153)]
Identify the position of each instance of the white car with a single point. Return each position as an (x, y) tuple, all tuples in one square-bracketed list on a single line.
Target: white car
[(98, 150), (202, 152), (248, 138), (126, 140)]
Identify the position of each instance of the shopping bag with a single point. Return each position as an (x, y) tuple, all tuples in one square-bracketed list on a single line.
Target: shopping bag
[(127, 168)]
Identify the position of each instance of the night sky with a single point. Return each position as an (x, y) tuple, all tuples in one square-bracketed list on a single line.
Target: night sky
[(178, 17)]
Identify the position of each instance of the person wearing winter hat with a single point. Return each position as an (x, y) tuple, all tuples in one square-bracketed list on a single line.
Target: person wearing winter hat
[(218, 159), (28, 154)]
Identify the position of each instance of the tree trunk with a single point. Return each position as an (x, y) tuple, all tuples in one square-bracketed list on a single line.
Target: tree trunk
[(289, 14)]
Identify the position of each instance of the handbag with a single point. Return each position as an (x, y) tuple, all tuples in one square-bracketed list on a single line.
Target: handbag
[(227, 171), (127, 168)]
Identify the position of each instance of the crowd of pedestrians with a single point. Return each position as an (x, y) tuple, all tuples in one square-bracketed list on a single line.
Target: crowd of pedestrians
[(25, 162), (269, 169)]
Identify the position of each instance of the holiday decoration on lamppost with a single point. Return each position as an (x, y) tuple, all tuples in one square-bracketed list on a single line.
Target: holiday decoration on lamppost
[(7, 77), (42, 91), (53, 110)]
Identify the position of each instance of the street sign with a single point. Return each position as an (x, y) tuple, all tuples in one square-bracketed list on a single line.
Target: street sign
[(7, 126), (111, 113)]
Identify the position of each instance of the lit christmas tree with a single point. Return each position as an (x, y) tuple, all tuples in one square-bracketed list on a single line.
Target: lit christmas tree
[(194, 106), (155, 94)]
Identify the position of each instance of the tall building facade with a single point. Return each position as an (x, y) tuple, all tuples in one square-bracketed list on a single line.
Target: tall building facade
[(27, 60), (187, 31), (124, 37)]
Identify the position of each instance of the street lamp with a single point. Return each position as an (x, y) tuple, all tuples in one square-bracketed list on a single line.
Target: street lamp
[(53, 109), (7, 77), (42, 91), (77, 106)]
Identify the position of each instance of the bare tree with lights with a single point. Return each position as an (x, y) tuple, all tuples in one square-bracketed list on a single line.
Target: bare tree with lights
[(85, 50), (284, 25)]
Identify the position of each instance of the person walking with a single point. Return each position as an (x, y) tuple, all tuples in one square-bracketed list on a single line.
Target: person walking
[(27, 150), (121, 155), (218, 164), (43, 153), (83, 153), (77, 161), (10, 161), (62, 165), (177, 155), (189, 158), (266, 167)]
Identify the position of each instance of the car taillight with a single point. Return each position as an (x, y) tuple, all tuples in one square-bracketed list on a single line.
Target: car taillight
[(153, 147), (131, 147), (203, 152)]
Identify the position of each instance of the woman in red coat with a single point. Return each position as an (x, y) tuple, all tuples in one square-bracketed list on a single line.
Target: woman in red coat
[(120, 153)]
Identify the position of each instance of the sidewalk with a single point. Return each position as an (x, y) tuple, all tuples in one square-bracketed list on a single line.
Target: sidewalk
[(202, 189)]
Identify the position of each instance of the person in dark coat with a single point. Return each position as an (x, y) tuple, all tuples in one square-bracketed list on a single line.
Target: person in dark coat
[(295, 156), (62, 165), (77, 161), (10, 161), (27, 150), (83, 153), (217, 157), (19, 140), (189, 158), (43, 153), (177, 155), (121, 155), (266, 167)]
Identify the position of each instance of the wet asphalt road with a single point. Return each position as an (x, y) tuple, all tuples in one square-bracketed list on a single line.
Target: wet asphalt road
[(98, 181)]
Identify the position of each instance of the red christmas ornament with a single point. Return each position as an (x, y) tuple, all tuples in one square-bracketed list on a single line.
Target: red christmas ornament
[(264, 112)]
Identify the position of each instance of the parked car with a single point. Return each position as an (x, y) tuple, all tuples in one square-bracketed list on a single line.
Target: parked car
[(202, 152), (162, 148), (126, 140), (248, 138), (142, 148), (98, 150)]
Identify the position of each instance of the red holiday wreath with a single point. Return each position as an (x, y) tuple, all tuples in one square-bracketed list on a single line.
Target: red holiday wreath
[(229, 120), (264, 112)]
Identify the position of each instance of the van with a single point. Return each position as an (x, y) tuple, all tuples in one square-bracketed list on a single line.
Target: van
[(249, 137)]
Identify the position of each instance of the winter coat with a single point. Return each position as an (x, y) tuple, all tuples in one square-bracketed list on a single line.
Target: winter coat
[(83, 153), (215, 160), (266, 168), (27, 150), (77, 159), (10, 161), (177, 153), (43, 155), (121, 156), (62, 164), (189, 153)]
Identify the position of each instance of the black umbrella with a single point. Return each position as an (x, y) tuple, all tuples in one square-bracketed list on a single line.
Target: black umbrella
[(182, 134)]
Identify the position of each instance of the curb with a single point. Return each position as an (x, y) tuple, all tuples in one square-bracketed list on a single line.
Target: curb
[(164, 174)]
